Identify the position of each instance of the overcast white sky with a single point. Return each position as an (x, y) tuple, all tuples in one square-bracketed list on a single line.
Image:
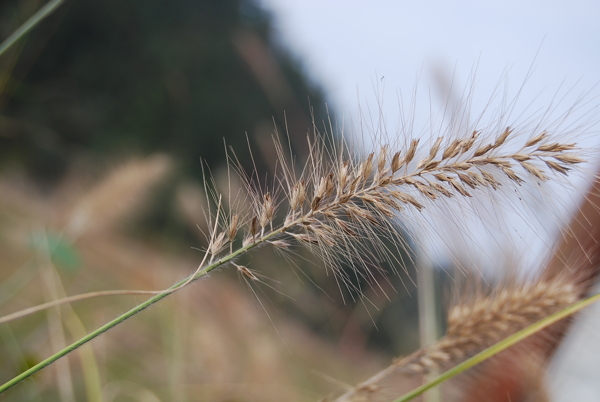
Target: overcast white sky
[(347, 44), (353, 47), (350, 46)]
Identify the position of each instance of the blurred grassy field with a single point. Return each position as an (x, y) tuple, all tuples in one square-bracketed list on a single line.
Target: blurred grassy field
[(220, 339), (211, 341)]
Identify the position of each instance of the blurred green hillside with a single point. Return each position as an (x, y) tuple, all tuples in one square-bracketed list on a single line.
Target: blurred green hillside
[(178, 77)]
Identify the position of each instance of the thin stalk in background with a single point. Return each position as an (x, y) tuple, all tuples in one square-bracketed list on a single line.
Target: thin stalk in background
[(196, 275), (28, 25), (90, 336), (428, 320)]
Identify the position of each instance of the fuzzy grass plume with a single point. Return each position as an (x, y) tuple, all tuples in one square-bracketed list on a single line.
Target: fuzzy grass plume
[(474, 324), (339, 200)]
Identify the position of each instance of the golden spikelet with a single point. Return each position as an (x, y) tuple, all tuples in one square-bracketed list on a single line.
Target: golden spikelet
[(473, 325), (338, 203)]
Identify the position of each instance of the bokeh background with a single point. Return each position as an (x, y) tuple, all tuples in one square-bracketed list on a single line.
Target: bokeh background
[(111, 115)]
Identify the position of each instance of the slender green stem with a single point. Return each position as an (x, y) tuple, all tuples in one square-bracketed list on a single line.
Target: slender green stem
[(196, 275), (30, 24), (85, 339), (132, 312), (500, 346)]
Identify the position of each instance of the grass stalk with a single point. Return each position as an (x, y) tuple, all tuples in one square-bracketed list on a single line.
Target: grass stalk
[(28, 25), (500, 346), (87, 357), (135, 310), (428, 324), (54, 317), (26, 374)]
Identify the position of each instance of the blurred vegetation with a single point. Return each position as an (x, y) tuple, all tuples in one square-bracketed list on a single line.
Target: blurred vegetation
[(99, 82), (176, 77)]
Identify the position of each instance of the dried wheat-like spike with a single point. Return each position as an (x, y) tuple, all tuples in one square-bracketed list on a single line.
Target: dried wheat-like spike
[(558, 167), (218, 243), (410, 154), (396, 162), (474, 325), (534, 170), (570, 159), (342, 207), (479, 323), (268, 211), (371, 192), (246, 272), (298, 195), (254, 227), (233, 227), (502, 137), (280, 244), (536, 139)]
